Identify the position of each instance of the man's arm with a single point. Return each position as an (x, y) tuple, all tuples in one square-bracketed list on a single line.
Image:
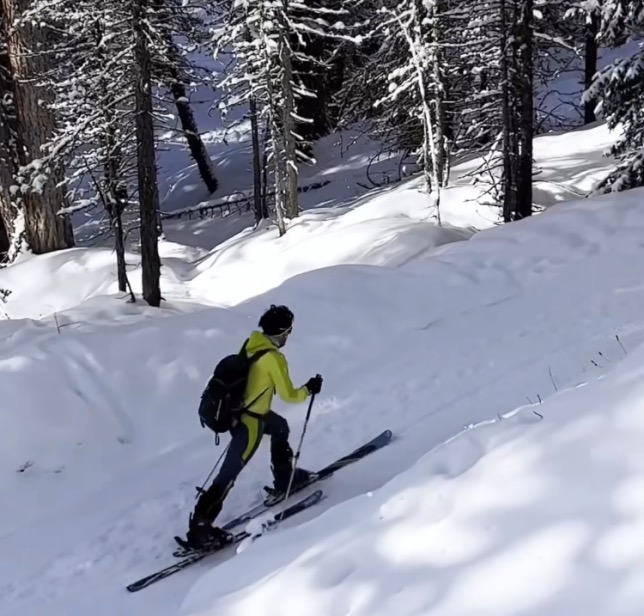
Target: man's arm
[(283, 385)]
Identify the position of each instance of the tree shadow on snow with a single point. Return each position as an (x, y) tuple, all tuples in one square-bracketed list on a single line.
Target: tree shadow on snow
[(560, 551), (542, 532)]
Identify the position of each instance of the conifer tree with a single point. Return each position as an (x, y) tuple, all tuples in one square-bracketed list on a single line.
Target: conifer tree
[(31, 197), (619, 92)]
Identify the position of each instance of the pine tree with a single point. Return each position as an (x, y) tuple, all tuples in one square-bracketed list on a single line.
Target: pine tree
[(114, 153), (243, 83), (419, 73), (565, 42), (267, 38), (31, 198), (322, 72), (491, 90), (90, 63), (146, 160), (109, 66), (619, 90)]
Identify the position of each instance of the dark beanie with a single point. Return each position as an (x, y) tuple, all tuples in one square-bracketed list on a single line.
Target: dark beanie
[(276, 320)]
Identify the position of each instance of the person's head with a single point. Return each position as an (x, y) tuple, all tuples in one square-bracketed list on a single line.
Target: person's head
[(277, 324)]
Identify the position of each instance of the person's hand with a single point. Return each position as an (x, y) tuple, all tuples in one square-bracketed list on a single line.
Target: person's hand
[(314, 384)]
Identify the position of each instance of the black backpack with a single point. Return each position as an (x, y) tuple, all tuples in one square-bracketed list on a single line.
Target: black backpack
[(223, 398)]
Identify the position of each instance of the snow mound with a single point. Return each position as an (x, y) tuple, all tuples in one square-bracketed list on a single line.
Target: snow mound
[(388, 230), (540, 513), (212, 262)]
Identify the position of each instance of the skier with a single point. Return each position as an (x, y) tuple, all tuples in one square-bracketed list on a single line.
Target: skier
[(268, 375)]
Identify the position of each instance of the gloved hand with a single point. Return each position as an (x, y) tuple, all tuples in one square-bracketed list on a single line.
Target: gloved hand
[(314, 384)]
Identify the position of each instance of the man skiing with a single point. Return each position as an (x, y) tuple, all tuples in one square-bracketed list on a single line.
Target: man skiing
[(268, 375)]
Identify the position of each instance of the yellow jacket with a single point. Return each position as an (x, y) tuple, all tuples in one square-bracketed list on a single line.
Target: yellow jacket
[(269, 375)]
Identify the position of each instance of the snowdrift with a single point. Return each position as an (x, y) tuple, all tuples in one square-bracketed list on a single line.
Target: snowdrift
[(387, 230), (540, 512), (227, 262)]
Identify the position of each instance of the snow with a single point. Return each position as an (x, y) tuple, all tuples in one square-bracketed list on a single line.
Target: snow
[(453, 337), (522, 515), (224, 263)]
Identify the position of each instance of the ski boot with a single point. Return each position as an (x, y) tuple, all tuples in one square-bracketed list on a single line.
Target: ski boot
[(202, 535), (301, 478)]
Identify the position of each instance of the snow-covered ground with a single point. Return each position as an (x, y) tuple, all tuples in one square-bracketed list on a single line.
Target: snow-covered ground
[(540, 512), (225, 262), (421, 330)]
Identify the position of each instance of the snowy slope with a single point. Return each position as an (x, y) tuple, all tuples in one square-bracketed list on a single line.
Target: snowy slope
[(100, 448), (464, 333), (531, 514), (568, 165), (343, 158), (202, 265)]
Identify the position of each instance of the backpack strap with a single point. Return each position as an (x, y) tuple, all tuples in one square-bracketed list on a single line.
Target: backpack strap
[(255, 357)]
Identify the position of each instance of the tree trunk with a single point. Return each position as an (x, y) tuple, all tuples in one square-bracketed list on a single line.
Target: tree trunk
[(172, 71), (413, 33), (258, 206), (117, 199), (590, 63), (275, 124), (525, 111), (4, 241), (508, 185), (191, 132), (45, 230), (288, 121), (440, 93), (147, 175), (8, 155), (119, 247), (279, 172), (265, 138)]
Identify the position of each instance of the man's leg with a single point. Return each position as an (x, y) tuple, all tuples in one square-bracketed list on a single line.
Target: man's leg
[(245, 438), (281, 453)]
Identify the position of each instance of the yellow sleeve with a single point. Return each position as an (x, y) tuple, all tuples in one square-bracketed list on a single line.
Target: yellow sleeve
[(282, 381)]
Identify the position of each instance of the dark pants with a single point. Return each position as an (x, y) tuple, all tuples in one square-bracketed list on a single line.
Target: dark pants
[(246, 437)]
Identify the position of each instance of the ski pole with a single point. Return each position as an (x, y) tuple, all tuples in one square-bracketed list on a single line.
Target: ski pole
[(212, 472), (296, 457)]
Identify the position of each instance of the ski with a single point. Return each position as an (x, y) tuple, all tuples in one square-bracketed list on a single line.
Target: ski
[(364, 450), (324, 473), (196, 556), (374, 444)]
